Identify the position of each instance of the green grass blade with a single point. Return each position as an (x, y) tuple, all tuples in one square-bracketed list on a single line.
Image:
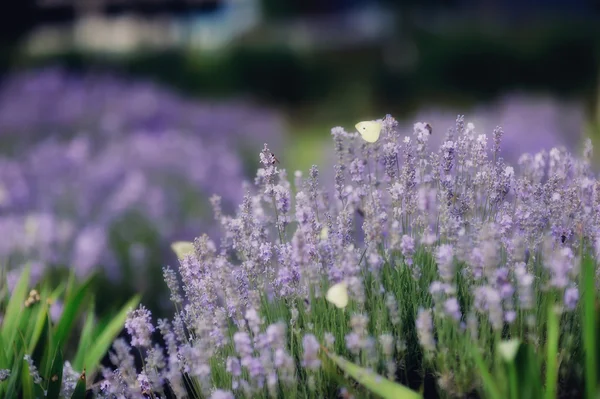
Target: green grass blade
[(13, 386), (4, 361), (486, 377), (373, 382), (80, 388), (55, 376), (508, 351), (30, 323), (86, 338), (552, 353), (528, 373), (12, 317), (34, 335), (587, 283), (105, 338), (72, 308), (26, 382), (57, 292), (49, 348), (70, 284)]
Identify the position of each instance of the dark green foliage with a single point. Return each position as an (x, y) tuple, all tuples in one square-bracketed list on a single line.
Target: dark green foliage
[(27, 329)]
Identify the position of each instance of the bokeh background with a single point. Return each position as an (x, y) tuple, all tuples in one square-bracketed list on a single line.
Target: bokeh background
[(119, 119)]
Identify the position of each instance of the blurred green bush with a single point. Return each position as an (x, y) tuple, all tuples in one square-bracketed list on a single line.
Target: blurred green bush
[(559, 58)]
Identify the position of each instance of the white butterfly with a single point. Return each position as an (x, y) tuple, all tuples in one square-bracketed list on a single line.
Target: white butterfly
[(508, 349), (369, 130), (324, 234), (338, 294), (182, 248)]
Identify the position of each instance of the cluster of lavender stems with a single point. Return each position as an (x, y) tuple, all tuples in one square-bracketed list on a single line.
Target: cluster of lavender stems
[(441, 252)]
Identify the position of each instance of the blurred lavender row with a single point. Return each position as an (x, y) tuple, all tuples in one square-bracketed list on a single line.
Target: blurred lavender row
[(85, 153), (531, 123), (54, 101)]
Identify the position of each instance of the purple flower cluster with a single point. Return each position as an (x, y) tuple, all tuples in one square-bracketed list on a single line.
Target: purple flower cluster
[(139, 326), (94, 151), (457, 241), (53, 101)]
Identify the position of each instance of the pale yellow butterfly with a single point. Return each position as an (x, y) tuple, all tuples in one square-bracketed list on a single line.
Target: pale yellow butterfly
[(369, 130), (508, 349), (338, 294), (324, 233), (182, 248)]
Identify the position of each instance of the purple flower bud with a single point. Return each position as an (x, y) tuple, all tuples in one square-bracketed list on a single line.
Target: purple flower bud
[(233, 366), (354, 343), (243, 343), (407, 247), (571, 297), (452, 308), (424, 324), (445, 261), (139, 326), (220, 394), (310, 358)]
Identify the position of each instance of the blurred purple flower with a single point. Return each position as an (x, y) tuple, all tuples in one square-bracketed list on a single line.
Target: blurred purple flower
[(110, 105), (95, 150), (311, 352), (139, 326), (571, 297), (529, 123), (56, 310)]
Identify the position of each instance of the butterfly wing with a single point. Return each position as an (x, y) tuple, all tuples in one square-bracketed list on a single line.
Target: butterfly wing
[(182, 248), (369, 130), (338, 295), (324, 233)]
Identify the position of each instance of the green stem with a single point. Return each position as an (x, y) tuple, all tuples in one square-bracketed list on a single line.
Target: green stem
[(512, 377), (589, 326), (277, 219), (552, 352)]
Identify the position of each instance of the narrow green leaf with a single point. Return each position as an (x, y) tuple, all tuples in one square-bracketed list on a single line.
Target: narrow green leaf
[(55, 375), (27, 320), (57, 292), (100, 345), (87, 335), (80, 388), (38, 326), (49, 347), (4, 363), (103, 322), (552, 353), (12, 317), (4, 294), (373, 382), (529, 373), (70, 285), (72, 308), (13, 386), (486, 377), (597, 357), (588, 282), (508, 351), (26, 381)]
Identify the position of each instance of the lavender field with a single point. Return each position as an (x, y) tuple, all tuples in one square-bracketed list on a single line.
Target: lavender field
[(436, 268), (345, 199)]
